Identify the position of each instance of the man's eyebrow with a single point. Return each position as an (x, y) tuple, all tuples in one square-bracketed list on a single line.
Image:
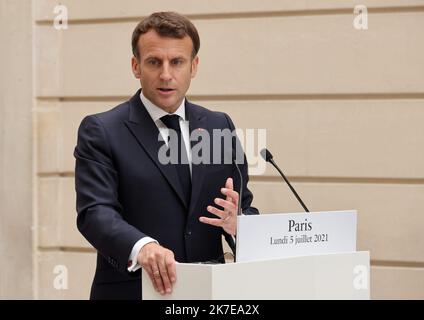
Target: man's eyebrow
[(152, 57), (177, 57)]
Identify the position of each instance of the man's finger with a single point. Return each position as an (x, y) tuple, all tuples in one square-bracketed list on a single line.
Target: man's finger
[(215, 222), (211, 221), (171, 267), (230, 194), (165, 279), (228, 205), (229, 185), (219, 213), (152, 279), (158, 279)]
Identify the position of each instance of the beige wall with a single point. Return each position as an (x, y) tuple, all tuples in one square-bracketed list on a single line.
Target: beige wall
[(343, 109), (16, 165)]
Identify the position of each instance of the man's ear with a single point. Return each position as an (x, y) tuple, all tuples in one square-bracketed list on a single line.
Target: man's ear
[(194, 64), (135, 66)]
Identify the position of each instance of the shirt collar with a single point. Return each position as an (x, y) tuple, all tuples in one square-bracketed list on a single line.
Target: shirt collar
[(156, 113)]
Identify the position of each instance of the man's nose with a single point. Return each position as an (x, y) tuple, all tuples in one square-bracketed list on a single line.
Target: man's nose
[(165, 74)]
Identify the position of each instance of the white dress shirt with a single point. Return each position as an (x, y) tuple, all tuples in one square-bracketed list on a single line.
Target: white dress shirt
[(156, 113)]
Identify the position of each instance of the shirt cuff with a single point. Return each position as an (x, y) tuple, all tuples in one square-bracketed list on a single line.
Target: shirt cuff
[(132, 261)]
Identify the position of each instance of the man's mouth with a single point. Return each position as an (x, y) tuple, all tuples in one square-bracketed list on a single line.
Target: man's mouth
[(165, 89)]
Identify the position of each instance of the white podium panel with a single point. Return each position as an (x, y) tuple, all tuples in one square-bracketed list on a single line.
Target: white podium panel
[(284, 235), (329, 276)]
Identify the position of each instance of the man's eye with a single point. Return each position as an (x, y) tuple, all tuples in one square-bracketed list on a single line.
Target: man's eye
[(177, 62), (153, 62)]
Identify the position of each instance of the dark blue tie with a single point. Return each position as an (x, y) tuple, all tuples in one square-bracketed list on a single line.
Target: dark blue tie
[(172, 121)]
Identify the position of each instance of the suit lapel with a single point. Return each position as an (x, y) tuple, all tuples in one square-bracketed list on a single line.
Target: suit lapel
[(197, 121), (145, 131)]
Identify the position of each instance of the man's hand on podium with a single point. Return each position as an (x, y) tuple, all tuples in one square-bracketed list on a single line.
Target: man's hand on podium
[(227, 217), (159, 263)]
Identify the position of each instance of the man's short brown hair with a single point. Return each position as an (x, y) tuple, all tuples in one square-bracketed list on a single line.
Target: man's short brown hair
[(166, 24)]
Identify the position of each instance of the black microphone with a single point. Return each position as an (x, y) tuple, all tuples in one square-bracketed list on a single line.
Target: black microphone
[(234, 158), (230, 239), (268, 158), (240, 190)]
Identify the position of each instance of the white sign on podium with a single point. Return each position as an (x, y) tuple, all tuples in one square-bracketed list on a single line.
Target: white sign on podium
[(283, 235)]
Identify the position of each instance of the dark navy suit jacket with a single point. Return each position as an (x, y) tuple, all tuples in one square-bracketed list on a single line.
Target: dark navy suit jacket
[(124, 194)]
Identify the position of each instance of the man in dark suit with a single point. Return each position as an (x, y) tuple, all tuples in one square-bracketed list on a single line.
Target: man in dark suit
[(134, 207)]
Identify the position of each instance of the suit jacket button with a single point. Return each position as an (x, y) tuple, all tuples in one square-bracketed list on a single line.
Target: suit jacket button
[(189, 233)]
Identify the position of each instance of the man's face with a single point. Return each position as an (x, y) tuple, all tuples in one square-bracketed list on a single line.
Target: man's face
[(165, 69)]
